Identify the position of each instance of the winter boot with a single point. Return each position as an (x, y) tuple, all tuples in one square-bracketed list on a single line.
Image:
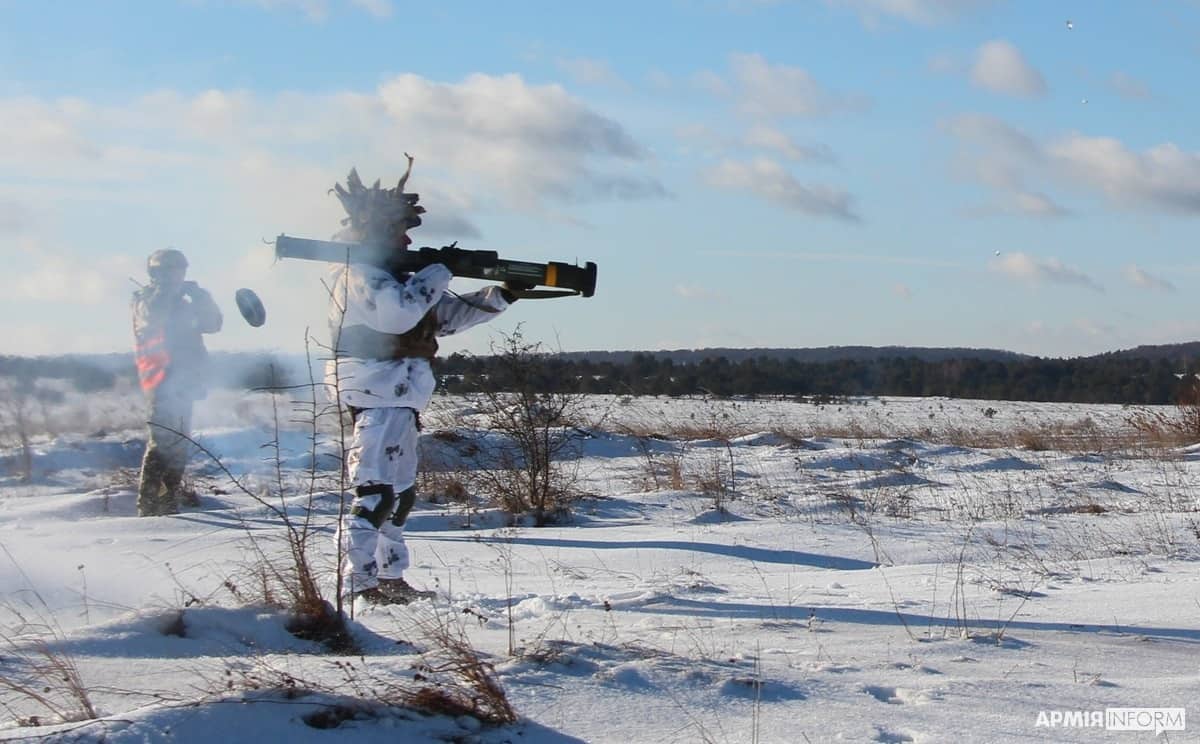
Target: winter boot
[(373, 596), (401, 592), (151, 502), (180, 494), (393, 592)]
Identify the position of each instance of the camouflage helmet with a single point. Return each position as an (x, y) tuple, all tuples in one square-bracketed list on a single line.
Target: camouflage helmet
[(165, 259)]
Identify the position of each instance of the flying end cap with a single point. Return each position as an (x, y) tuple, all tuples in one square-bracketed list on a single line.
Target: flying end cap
[(250, 307)]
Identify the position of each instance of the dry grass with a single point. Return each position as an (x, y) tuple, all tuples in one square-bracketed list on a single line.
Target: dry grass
[(34, 670), (449, 679), (1077, 437)]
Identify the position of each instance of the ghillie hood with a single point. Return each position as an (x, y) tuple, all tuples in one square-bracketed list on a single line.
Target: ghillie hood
[(377, 216)]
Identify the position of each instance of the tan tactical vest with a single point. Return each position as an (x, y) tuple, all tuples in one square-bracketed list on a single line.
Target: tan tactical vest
[(362, 342)]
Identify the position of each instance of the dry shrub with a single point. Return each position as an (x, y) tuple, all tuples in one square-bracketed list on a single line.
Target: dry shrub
[(523, 469), (715, 428), (449, 679), (660, 469), (35, 670), (444, 487), (1171, 427), (471, 687), (1034, 440), (715, 479)]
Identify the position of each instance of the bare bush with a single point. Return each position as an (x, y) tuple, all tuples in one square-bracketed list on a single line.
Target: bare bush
[(538, 426), (22, 417)]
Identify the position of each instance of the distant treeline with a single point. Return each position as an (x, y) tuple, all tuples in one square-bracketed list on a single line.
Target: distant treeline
[(1109, 378), (94, 372), (1145, 375)]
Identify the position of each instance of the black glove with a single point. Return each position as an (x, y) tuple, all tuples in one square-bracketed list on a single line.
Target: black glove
[(512, 289)]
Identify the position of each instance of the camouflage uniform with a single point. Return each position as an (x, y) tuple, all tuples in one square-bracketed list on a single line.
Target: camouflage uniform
[(384, 326), (169, 316)]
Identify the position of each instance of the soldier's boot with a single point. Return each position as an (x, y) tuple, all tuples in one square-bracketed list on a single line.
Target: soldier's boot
[(399, 591), (178, 491), (393, 592), (150, 485)]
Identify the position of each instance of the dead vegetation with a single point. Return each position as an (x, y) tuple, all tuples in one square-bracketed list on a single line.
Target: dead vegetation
[(40, 683), (450, 678), (523, 460)]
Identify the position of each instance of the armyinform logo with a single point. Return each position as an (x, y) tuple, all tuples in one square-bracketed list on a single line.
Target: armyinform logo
[(1157, 720)]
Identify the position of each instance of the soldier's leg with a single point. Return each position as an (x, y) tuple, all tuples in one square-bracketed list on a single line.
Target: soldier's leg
[(401, 430), (150, 482), (175, 415), (374, 500), (391, 553), (358, 535)]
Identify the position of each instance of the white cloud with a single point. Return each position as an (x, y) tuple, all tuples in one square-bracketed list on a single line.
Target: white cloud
[(1024, 267), (1003, 157), (14, 217), (314, 10), (37, 273), (659, 80), (944, 63), (767, 91), (991, 133), (31, 126), (1139, 278), (1000, 67), (1129, 87), (517, 143), (711, 82), (1034, 205), (591, 72), (377, 8), (1163, 176), (769, 138), (529, 142), (925, 12), (319, 10), (768, 180)]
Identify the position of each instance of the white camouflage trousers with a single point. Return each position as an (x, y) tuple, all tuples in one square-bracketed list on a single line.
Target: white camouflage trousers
[(383, 450)]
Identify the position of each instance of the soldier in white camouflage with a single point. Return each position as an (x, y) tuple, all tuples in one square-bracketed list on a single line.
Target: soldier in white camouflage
[(170, 314), (384, 326)]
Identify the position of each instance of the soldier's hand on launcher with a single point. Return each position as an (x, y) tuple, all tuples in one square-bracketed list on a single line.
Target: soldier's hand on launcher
[(513, 289)]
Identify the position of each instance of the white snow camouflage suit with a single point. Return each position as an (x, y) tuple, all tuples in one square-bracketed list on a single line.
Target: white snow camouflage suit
[(386, 394)]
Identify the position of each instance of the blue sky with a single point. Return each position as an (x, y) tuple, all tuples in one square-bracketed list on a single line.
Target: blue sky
[(748, 173)]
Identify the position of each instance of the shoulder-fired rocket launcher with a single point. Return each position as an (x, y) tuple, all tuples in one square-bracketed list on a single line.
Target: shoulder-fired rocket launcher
[(573, 279)]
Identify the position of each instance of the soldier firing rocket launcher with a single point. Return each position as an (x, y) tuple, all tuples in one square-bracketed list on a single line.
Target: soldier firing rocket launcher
[(376, 232), (377, 224), (576, 280)]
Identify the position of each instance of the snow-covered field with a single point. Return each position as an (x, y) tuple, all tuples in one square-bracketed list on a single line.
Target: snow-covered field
[(894, 570)]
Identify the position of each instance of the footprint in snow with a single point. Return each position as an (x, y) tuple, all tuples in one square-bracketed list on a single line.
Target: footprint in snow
[(891, 737), (884, 694)]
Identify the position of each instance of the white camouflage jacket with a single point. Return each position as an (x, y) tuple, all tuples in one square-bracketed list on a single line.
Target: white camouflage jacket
[(374, 298)]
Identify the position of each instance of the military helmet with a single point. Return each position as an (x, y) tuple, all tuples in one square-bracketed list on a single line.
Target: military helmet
[(166, 259)]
